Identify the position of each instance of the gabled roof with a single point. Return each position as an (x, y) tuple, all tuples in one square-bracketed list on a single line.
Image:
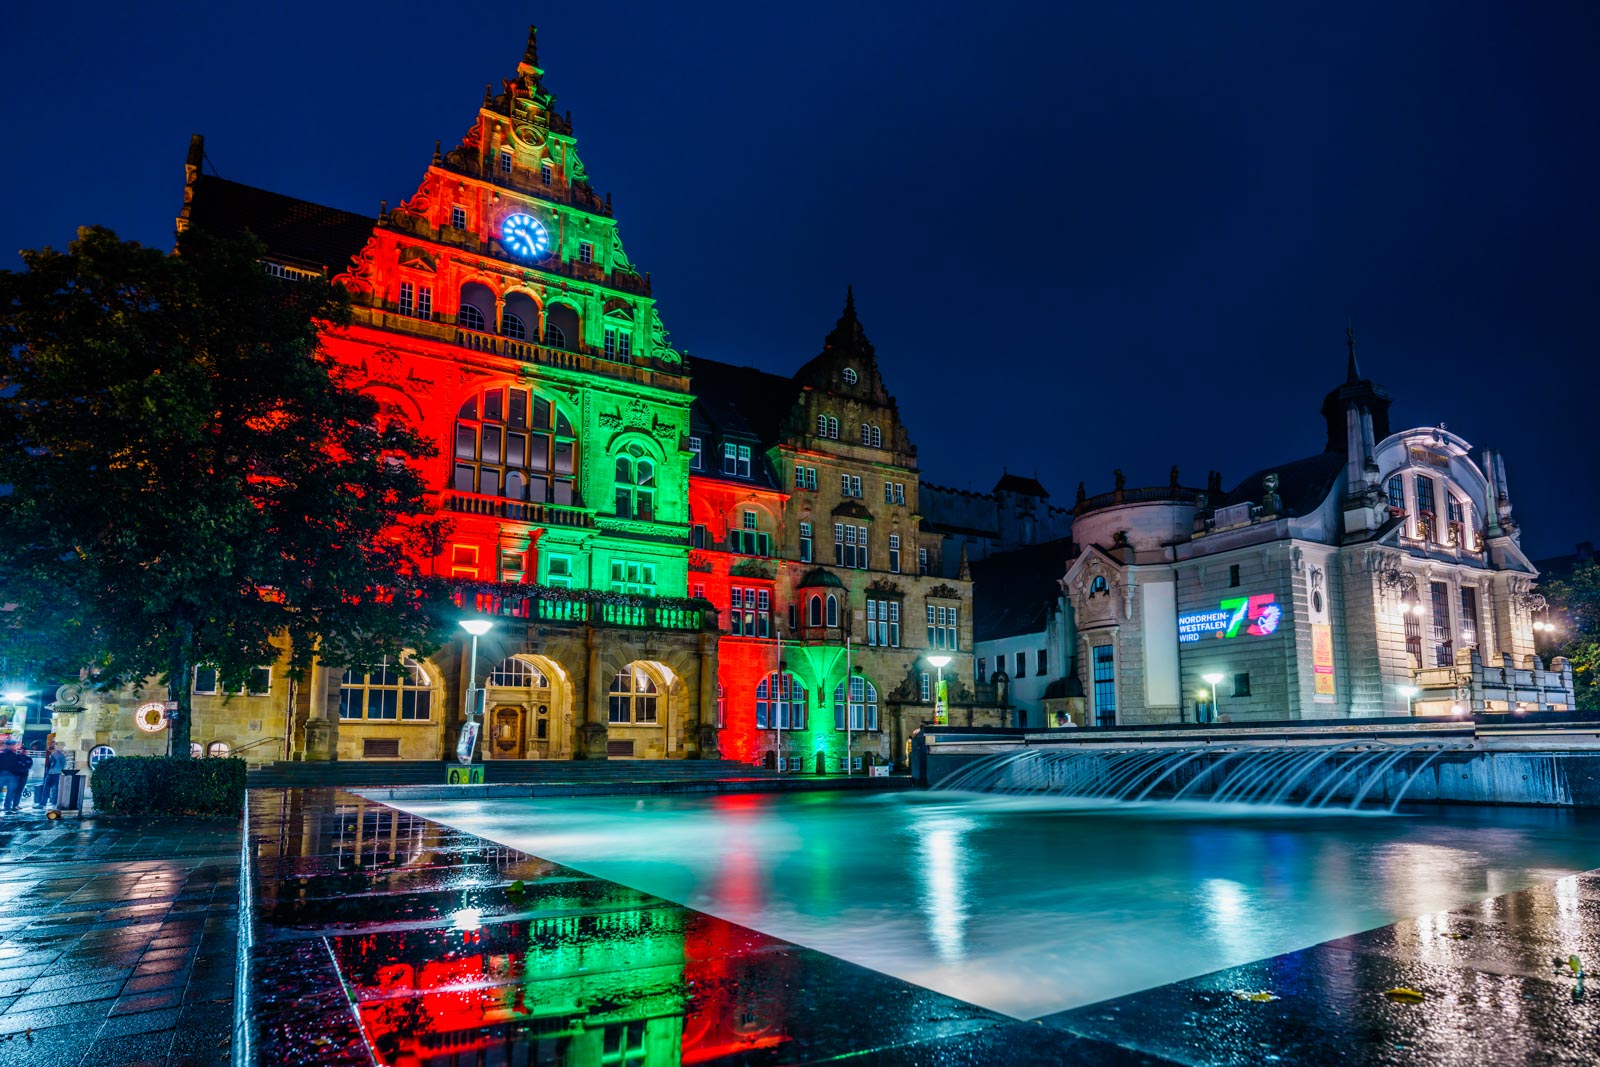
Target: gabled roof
[(1015, 593), (1016, 483), (298, 232), (1303, 483), (740, 400)]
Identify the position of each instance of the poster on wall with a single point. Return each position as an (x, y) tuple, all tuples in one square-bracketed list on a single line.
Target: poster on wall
[(1322, 690), (1253, 616), (467, 742)]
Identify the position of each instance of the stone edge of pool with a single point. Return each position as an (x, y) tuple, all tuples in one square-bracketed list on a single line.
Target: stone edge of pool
[(1486, 973)]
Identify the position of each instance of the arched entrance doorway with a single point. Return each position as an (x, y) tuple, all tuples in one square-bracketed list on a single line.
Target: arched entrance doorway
[(528, 709)]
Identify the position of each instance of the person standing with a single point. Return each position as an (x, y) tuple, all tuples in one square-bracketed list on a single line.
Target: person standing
[(14, 764), (55, 761)]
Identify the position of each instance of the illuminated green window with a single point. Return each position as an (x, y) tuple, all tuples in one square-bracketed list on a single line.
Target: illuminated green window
[(513, 443), (633, 577), (780, 703), (585, 252), (558, 571), (635, 484), (863, 707)]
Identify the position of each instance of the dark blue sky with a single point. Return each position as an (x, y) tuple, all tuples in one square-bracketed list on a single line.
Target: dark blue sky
[(1082, 236)]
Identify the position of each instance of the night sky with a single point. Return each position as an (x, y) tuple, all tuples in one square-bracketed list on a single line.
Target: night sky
[(1082, 236)]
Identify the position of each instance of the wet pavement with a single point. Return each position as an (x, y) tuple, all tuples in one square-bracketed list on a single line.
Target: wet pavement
[(117, 940), (382, 937)]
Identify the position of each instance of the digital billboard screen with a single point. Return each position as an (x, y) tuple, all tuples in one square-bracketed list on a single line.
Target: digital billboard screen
[(1252, 616)]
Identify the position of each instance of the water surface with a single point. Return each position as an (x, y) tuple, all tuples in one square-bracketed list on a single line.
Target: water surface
[(1034, 906)]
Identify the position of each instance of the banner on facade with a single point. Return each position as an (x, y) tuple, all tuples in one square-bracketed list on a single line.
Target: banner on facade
[(467, 743), (941, 707), (1322, 663)]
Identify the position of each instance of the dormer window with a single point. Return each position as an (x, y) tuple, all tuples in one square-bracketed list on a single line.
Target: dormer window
[(695, 456), (458, 217), (736, 460), (850, 376)]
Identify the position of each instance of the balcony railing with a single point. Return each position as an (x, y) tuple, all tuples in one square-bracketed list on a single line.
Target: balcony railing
[(519, 510), (586, 607)]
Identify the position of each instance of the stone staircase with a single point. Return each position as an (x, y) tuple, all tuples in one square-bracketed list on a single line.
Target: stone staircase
[(366, 773)]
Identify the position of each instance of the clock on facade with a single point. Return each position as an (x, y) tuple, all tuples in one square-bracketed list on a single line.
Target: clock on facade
[(525, 237)]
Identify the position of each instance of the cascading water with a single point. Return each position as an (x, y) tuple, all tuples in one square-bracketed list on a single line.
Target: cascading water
[(1340, 775)]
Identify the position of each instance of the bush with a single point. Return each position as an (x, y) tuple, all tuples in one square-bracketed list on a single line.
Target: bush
[(168, 785)]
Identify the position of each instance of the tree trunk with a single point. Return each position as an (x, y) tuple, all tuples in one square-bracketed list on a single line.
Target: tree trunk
[(179, 689)]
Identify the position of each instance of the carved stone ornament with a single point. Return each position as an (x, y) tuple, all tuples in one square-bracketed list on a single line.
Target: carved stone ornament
[(944, 592)]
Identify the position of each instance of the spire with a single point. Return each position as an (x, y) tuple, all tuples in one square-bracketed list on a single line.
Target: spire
[(965, 572), (530, 55), (847, 335), (850, 301), (1352, 370)]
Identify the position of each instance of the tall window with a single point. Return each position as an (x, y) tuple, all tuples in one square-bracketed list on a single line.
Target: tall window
[(922, 561), (750, 612), (863, 706), (546, 173), (833, 610), (780, 703), (1105, 686), (894, 553), (1022, 666), (942, 627), (1397, 493), (883, 623), (805, 477), (924, 687), (736, 460), (633, 696), (1413, 619), (1424, 493), (1044, 662), (871, 435), (514, 443), (983, 670), (1444, 649), (849, 546), (747, 539), (814, 610), (424, 301), (633, 577), (585, 252), (408, 298), (635, 483), (696, 457), (805, 542), (1469, 616), (505, 161), (390, 691), (828, 426), (458, 217)]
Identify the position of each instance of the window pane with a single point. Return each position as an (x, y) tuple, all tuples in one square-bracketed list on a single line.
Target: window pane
[(493, 406), (466, 442)]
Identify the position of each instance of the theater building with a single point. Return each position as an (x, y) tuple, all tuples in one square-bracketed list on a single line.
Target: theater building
[(1382, 574)]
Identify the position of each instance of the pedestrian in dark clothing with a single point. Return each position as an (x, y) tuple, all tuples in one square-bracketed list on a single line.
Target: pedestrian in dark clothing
[(14, 764), (55, 761)]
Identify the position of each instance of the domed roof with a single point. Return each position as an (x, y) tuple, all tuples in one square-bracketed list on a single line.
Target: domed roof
[(819, 577)]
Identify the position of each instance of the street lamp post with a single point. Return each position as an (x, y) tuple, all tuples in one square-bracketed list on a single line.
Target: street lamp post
[(1410, 693), (477, 628), (1212, 680), (941, 712)]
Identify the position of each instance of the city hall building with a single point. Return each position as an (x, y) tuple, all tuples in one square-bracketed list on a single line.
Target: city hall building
[(677, 559), (1382, 574)]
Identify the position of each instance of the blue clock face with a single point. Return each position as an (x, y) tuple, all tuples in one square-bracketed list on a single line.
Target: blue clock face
[(525, 237)]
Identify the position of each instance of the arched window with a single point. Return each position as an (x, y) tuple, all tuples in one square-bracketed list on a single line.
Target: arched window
[(833, 610), (877, 436), (514, 673), (833, 427), (476, 307), (470, 317), (827, 426), (633, 696), (822, 425), (513, 327), (1098, 585), (850, 376), (519, 319), (514, 443), (780, 703), (863, 705), (871, 435), (561, 327), (635, 484), (1397, 493), (389, 691), (814, 611), (218, 749)]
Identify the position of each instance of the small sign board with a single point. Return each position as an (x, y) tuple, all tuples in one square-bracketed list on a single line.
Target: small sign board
[(464, 774)]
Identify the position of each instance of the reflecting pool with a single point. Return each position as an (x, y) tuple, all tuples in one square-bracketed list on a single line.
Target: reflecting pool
[(1029, 907)]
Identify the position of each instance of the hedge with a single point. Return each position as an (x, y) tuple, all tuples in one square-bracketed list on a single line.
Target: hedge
[(168, 785)]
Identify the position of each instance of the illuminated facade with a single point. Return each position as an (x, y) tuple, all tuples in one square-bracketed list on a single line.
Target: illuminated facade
[(1381, 573), (497, 312)]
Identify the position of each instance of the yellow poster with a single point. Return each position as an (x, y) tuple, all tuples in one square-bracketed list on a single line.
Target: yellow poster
[(1322, 662)]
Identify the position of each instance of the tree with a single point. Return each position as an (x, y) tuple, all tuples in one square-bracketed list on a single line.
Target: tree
[(1575, 603), (191, 477)]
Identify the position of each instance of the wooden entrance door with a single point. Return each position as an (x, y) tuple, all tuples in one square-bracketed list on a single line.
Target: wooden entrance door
[(506, 732)]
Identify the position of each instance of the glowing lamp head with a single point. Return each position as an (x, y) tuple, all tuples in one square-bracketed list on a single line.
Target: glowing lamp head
[(524, 237), (1212, 679), (476, 627), (1408, 691), (939, 661), (15, 696)]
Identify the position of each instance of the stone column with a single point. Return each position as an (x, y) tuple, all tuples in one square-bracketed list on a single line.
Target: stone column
[(702, 736), (322, 718), (592, 730)]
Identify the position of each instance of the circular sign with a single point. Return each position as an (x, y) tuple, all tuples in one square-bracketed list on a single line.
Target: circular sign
[(151, 717)]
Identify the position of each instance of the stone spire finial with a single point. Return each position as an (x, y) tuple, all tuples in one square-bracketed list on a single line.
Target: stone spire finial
[(850, 300), (1352, 370), (965, 573), (488, 93), (438, 157), (530, 55)]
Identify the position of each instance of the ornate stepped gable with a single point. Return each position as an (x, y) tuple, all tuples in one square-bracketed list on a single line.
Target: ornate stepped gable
[(511, 208)]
